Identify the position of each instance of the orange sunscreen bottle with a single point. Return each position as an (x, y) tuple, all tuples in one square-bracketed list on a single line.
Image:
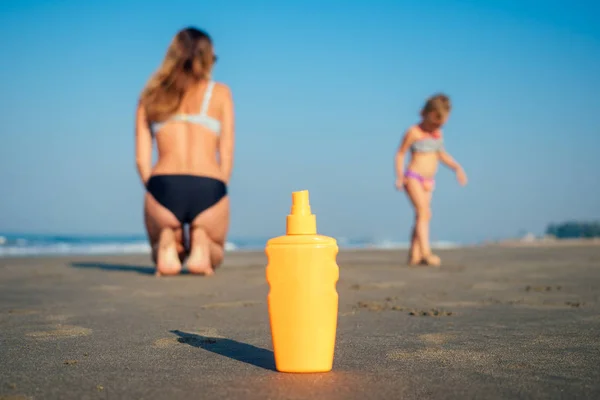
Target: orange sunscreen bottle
[(303, 302)]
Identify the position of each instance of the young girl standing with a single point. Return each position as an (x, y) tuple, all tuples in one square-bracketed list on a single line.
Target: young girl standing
[(426, 145)]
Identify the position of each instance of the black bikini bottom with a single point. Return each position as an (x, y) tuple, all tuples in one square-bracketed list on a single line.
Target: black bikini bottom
[(186, 196)]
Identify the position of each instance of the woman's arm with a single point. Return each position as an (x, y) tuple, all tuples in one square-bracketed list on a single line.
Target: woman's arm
[(227, 140), (143, 145)]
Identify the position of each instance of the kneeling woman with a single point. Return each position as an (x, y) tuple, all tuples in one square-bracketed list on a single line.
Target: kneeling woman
[(191, 118)]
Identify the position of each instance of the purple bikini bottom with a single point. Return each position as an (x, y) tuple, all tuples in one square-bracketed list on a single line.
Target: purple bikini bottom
[(419, 177)]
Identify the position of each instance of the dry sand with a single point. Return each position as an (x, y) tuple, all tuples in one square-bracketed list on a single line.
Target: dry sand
[(494, 323)]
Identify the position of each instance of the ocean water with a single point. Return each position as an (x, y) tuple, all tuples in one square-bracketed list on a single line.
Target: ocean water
[(15, 245)]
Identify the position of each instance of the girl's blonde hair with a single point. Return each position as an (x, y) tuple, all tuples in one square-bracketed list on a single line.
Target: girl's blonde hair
[(439, 104)]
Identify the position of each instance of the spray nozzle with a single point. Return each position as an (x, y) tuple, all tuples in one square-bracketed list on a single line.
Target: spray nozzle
[(300, 221)]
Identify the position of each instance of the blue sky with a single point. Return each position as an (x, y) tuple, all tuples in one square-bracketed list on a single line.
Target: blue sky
[(323, 92)]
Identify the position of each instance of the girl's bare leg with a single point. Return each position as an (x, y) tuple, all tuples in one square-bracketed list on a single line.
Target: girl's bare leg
[(421, 200), (414, 254)]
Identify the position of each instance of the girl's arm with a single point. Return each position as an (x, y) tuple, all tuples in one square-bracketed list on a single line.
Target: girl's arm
[(447, 159), (451, 163), (227, 139), (143, 145), (401, 152)]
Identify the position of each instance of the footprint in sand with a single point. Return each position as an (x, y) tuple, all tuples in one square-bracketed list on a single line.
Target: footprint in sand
[(452, 268), (23, 311), (168, 342), (378, 285), (387, 305), (436, 338), (546, 305), (147, 293), (164, 343), (543, 288), (536, 276), (574, 304), (231, 304), (107, 288), (434, 312), (61, 332), (58, 318), (459, 304), (442, 356), (592, 318), (489, 286), (373, 305)]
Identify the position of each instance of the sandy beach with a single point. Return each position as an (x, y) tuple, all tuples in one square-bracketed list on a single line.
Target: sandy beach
[(495, 322)]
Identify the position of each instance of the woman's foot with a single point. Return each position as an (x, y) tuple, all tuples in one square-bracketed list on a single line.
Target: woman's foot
[(167, 258), (198, 261)]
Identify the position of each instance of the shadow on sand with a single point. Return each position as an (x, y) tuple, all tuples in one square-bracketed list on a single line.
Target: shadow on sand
[(140, 269), (230, 348)]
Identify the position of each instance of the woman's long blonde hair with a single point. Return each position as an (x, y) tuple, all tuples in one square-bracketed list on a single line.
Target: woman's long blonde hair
[(189, 60)]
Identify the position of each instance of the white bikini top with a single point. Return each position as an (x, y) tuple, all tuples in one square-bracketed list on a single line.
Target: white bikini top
[(202, 118)]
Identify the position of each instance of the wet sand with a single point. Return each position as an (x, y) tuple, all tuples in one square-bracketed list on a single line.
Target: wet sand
[(495, 323)]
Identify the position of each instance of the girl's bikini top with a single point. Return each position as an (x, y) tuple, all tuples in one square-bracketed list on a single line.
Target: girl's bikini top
[(430, 144)]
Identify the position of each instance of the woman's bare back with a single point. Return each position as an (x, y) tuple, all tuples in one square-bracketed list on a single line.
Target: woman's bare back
[(188, 148)]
